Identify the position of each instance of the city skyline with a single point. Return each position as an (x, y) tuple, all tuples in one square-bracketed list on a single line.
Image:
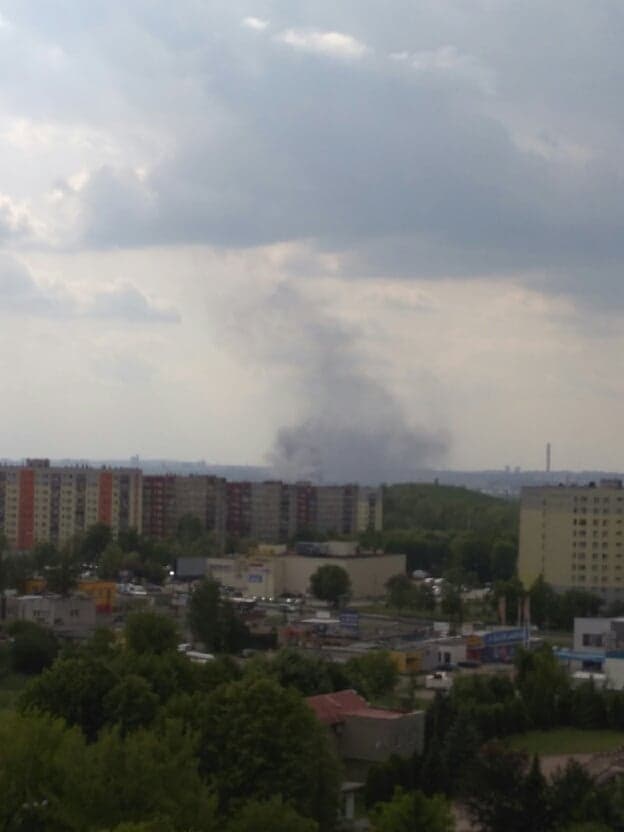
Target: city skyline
[(314, 237)]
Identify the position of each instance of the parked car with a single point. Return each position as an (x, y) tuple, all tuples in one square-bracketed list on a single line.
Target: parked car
[(438, 681)]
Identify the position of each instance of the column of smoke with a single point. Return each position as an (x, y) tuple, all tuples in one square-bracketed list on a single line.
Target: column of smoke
[(354, 430)]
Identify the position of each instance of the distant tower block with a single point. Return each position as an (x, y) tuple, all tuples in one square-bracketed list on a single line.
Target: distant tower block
[(548, 457)]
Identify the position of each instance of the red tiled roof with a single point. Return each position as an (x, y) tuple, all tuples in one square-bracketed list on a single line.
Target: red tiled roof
[(332, 708)]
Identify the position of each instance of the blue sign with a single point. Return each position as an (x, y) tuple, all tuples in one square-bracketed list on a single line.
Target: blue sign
[(349, 620), (513, 636), (255, 579)]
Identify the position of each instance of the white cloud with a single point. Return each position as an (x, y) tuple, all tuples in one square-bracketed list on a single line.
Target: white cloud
[(126, 303), (255, 23), (335, 44), (448, 60), (21, 295)]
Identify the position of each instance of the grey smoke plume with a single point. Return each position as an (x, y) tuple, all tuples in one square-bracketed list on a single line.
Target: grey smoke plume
[(354, 429)]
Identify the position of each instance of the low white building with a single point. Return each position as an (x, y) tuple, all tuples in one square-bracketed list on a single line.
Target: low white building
[(73, 616)]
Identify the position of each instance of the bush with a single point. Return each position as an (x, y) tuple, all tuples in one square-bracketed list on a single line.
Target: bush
[(33, 647)]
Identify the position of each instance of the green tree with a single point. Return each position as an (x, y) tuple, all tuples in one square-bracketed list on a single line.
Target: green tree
[(129, 540), (257, 738), (503, 558), (130, 704), (401, 591), (74, 689), (496, 796), (536, 810), (471, 553), (16, 570), (33, 648), (214, 621), (189, 529), (144, 776), (147, 826), (373, 674), (461, 745), (543, 685), (150, 632), (452, 604), (575, 603), (513, 592), (310, 675), (45, 555), (271, 816), (407, 812), (588, 706), (425, 597), (544, 602), (37, 756), (111, 562), (63, 577), (94, 542), (330, 583), (4, 547), (383, 778), (573, 798)]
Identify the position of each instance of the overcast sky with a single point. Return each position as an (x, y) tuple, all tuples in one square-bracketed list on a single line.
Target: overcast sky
[(351, 237)]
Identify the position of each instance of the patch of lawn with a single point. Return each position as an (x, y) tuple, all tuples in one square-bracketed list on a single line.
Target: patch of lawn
[(568, 741)]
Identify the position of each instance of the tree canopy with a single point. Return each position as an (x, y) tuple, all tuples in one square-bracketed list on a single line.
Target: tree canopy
[(330, 583)]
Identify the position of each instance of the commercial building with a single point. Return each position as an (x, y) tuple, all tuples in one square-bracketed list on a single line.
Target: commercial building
[(271, 575), (574, 537), (72, 617), (598, 650), (168, 498), (40, 503)]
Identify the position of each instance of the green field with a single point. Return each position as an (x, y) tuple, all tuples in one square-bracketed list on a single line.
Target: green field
[(567, 741)]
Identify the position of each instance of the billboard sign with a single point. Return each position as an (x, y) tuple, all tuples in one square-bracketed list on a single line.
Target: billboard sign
[(500, 637), (350, 620)]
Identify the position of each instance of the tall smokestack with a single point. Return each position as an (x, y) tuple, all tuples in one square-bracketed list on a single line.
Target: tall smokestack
[(548, 457)]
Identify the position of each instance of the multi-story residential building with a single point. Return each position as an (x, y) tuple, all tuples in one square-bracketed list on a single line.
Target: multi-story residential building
[(275, 511), (168, 498), (574, 537), (40, 503), (159, 509), (238, 509)]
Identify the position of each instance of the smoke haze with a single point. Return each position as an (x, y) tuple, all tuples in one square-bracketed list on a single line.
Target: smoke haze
[(353, 429)]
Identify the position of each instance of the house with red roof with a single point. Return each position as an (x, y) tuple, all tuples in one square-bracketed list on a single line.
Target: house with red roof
[(365, 735)]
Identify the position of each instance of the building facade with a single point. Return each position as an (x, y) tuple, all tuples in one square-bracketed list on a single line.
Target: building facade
[(574, 537), (72, 617), (271, 575), (274, 512), (169, 498), (44, 504)]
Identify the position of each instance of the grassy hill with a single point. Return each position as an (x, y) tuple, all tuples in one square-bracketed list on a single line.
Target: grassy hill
[(447, 508)]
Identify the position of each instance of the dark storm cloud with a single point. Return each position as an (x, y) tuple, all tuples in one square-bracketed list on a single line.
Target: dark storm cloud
[(422, 139)]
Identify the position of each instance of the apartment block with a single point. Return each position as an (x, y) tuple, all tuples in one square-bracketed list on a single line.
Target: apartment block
[(274, 511), (574, 537), (168, 498), (40, 503)]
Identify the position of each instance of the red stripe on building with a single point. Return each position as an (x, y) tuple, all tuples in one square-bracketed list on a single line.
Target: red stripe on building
[(105, 498), (26, 514)]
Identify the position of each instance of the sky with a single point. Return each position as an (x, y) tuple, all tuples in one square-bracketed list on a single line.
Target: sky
[(347, 240)]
